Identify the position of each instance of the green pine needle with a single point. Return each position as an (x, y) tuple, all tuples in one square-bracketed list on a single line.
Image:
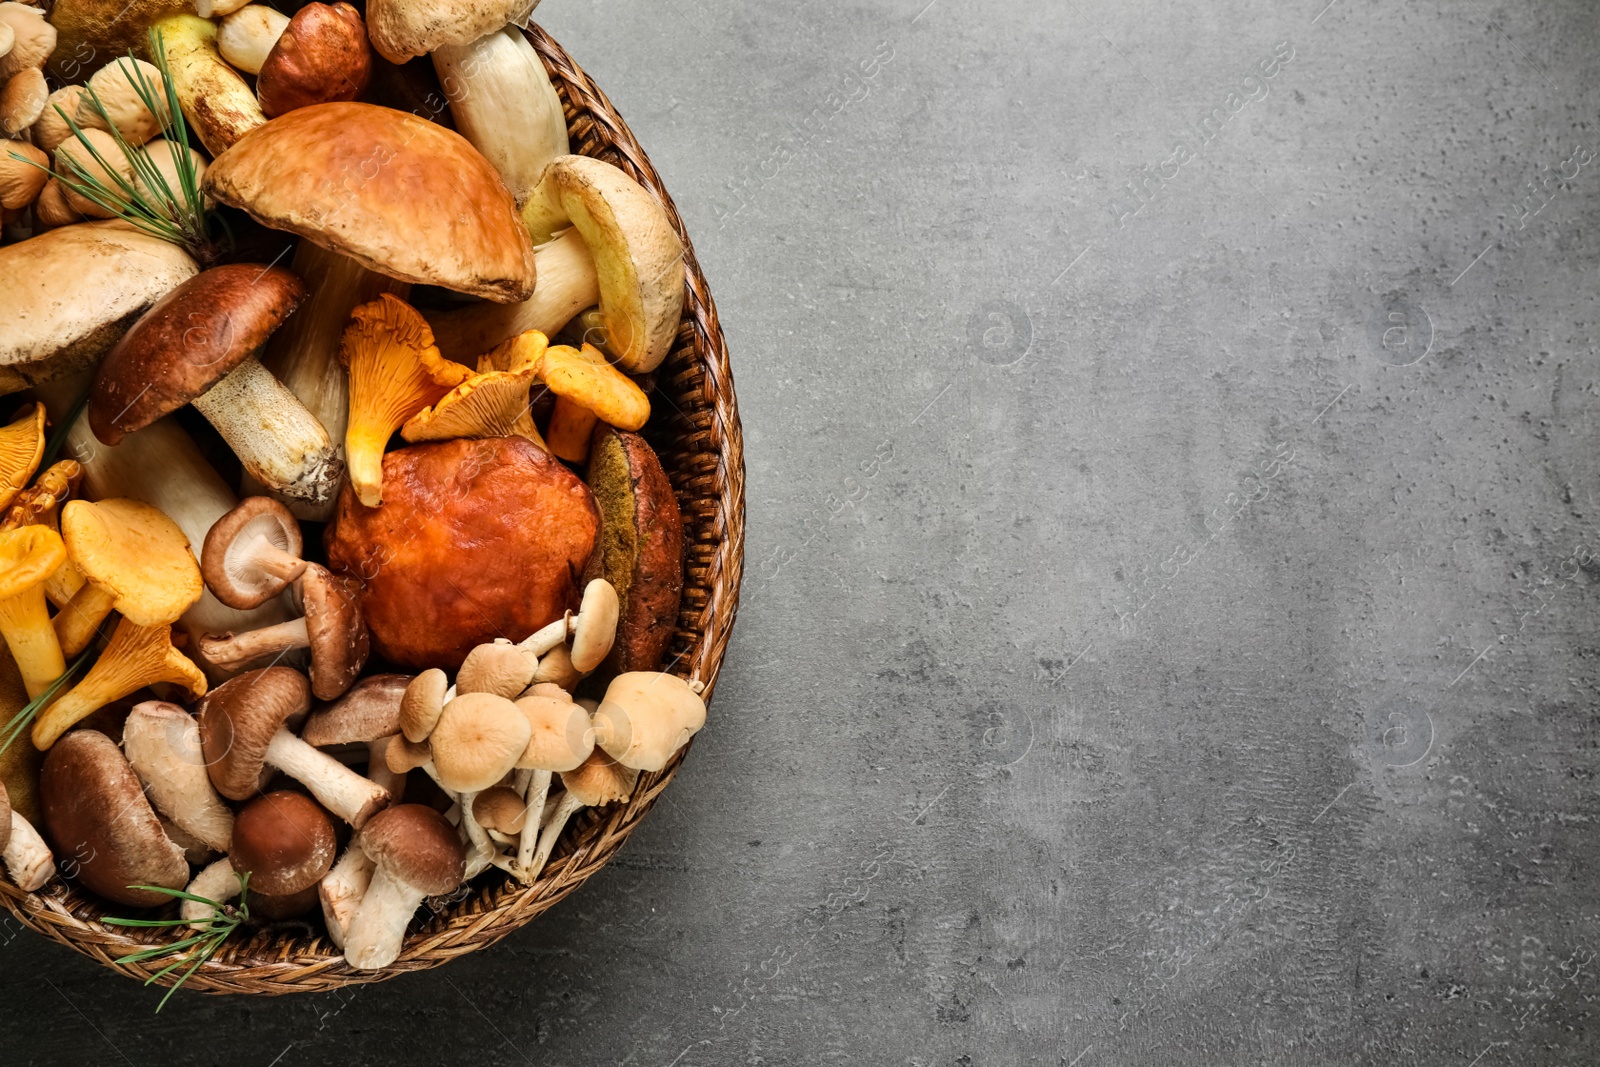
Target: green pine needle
[(195, 949)]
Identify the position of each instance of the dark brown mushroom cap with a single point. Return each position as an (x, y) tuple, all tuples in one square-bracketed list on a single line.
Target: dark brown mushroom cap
[(271, 908), (238, 719), (5, 817), (285, 840), (224, 563), (368, 712), (100, 824), (417, 847), (188, 342), (338, 633)]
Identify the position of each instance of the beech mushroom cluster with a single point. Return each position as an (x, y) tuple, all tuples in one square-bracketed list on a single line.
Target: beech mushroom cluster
[(233, 216)]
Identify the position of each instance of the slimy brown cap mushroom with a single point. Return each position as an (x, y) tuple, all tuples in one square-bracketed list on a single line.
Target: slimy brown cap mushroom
[(95, 810), (187, 343), (286, 842), (390, 190), (252, 553)]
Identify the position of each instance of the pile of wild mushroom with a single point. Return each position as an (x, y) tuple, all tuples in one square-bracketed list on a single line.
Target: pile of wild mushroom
[(334, 572)]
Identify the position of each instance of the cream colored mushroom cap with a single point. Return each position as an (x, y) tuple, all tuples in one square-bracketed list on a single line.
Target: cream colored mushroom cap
[(478, 739), (561, 735), (403, 29), (647, 716), (596, 627)]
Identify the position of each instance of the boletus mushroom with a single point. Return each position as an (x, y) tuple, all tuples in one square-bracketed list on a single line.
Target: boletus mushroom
[(416, 854), (331, 627), (398, 194), (321, 56), (96, 812), (242, 730), (252, 553), (476, 539), (197, 346)]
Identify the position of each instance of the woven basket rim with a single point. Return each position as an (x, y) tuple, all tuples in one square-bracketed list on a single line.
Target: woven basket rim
[(706, 467)]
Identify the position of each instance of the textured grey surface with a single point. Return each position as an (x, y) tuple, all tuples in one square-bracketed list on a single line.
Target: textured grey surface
[(1152, 651)]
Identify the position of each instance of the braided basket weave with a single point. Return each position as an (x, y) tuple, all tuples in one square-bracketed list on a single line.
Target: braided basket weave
[(695, 429)]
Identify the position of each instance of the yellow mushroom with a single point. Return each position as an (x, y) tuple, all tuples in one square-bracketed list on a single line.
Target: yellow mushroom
[(395, 372), (29, 555), (40, 505), (586, 379), (21, 449), (494, 404), (133, 559), (136, 657)]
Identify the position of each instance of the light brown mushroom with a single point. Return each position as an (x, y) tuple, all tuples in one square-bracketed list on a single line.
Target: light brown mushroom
[(592, 630), (369, 714), (500, 668), (561, 739), (118, 94), (162, 743), (247, 35), (22, 100), (422, 704), (91, 159), (478, 740), (32, 39), (646, 716), (26, 857), (52, 126), (599, 781)]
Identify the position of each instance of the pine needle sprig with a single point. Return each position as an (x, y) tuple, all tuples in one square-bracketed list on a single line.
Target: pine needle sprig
[(195, 949)]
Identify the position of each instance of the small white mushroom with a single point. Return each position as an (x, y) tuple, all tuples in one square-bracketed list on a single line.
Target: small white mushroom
[(248, 34), (216, 9), (162, 743), (27, 858)]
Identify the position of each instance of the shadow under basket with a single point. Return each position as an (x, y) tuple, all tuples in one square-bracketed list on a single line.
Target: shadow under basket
[(695, 429)]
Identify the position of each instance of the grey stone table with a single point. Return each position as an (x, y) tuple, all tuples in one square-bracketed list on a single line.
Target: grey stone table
[(1169, 632)]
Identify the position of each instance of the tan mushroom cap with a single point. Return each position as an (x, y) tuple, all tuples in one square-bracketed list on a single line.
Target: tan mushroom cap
[(22, 100), (21, 449), (136, 554), (560, 734), (368, 712), (403, 29), (95, 810), (600, 780), (71, 293), (596, 626), (500, 668), (284, 840), (478, 740), (88, 160), (647, 716), (21, 179), (500, 808), (32, 39), (337, 631), (422, 704), (52, 127), (402, 756), (638, 256), (396, 193)]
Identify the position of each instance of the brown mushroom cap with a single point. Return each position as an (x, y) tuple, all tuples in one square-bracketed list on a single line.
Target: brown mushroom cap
[(500, 668), (368, 712), (321, 55), (416, 846), (500, 808), (338, 634), (285, 840), (599, 780), (422, 704), (390, 190), (187, 343), (95, 811), (476, 539), (478, 740), (238, 720), (234, 574)]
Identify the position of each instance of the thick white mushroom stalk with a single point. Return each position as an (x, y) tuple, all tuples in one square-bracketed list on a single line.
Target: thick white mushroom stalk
[(161, 466), (567, 286)]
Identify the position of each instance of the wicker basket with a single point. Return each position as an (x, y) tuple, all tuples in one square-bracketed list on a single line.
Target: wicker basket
[(696, 431)]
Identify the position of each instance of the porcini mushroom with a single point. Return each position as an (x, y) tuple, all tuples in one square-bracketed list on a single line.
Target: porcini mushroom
[(162, 744), (638, 256), (247, 35), (242, 731), (136, 657), (165, 190), (395, 372), (500, 668), (331, 627), (29, 555), (369, 714), (286, 844), (341, 890), (24, 172), (351, 177), (117, 94), (196, 346), (22, 100), (598, 781), (95, 810), (404, 29), (21, 449), (416, 854), (133, 559), (252, 553), (646, 716), (52, 127), (72, 292), (27, 858), (217, 103), (91, 160), (448, 561), (422, 704), (560, 739), (321, 56)]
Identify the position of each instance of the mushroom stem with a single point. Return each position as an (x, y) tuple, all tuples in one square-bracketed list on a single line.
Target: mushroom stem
[(476, 837), (350, 796), (218, 882), (27, 858), (374, 937), (234, 652), (25, 625), (77, 622), (547, 637), (280, 443), (304, 352), (538, 789), (393, 782), (342, 889), (260, 552), (136, 657), (547, 837), (567, 285)]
